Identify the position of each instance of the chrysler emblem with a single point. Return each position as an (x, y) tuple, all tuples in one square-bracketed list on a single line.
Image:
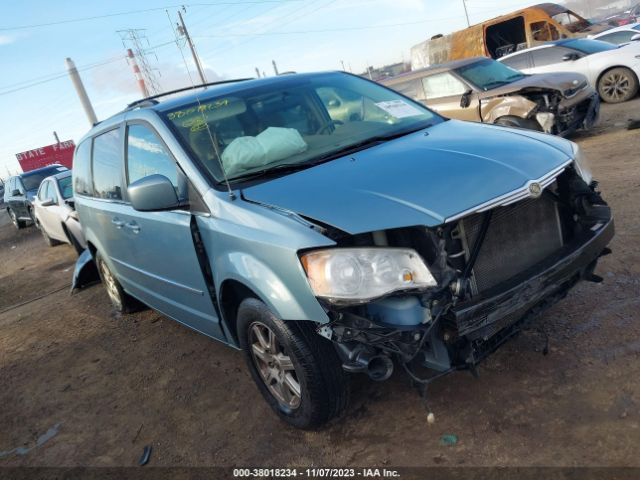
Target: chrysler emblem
[(535, 189)]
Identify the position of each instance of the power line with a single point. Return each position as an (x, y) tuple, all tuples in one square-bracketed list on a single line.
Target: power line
[(279, 21), (132, 12), (58, 76)]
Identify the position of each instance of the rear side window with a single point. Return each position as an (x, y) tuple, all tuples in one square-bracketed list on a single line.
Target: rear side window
[(42, 193), (519, 62), (443, 85), (410, 88), (147, 155), (107, 165), (82, 169), (549, 56)]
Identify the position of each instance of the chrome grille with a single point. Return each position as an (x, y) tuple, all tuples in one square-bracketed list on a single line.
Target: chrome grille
[(519, 236)]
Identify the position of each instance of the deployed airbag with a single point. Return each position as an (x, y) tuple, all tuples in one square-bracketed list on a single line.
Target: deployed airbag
[(273, 144)]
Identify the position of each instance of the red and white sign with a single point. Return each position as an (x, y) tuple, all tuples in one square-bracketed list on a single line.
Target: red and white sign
[(61, 153)]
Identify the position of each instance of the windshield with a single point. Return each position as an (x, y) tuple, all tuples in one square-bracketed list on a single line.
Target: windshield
[(589, 46), (65, 187), (293, 123), (571, 21), (488, 74), (32, 181)]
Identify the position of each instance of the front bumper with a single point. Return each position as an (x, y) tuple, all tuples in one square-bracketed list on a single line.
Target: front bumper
[(484, 323), (581, 115)]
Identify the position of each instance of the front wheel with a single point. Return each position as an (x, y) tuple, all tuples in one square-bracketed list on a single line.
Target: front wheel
[(618, 85), (121, 301), (297, 371)]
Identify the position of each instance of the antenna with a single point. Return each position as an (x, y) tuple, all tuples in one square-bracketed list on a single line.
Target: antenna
[(214, 144)]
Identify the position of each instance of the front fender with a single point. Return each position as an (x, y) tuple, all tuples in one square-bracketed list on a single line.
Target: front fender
[(514, 105), (291, 301)]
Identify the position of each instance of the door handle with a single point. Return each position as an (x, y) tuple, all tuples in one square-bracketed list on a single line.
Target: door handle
[(117, 222), (133, 226)]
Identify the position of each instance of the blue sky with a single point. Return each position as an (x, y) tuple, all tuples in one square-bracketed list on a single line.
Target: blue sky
[(232, 37)]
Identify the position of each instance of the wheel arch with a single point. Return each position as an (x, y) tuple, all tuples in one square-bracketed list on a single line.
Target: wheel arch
[(232, 293)]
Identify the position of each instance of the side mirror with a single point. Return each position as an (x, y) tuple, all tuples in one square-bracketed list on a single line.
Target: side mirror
[(47, 202), (570, 57), (334, 103), (155, 192), (636, 37), (16, 193), (465, 100)]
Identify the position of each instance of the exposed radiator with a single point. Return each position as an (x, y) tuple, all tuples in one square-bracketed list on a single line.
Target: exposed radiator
[(519, 236)]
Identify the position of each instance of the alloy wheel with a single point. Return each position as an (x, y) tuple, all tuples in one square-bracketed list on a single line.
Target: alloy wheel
[(110, 284), (275, 366), (616, 85), (14, 220)]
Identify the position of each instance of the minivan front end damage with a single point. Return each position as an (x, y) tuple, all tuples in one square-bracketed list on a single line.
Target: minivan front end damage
[(493, 270)]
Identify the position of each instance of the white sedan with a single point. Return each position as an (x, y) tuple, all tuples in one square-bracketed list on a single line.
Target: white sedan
[(55, 214), (620, 35), (613, 70)]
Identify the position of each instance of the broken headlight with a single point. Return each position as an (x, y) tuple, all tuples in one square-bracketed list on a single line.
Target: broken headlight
[(581, 164), (354, 275)]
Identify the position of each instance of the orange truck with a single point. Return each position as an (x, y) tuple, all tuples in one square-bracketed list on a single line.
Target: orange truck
[(503, 35)]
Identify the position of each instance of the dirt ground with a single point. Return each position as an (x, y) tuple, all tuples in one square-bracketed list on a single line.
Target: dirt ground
[(82, 386)]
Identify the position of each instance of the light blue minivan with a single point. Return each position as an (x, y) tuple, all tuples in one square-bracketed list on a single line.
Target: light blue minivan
[(327, 225)]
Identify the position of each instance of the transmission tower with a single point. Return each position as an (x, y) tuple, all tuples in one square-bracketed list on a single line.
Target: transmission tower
[(134, 39)]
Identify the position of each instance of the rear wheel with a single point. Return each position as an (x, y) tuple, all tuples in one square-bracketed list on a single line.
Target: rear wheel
[(618, 85), (513, 121), (19, 224), (297, 371), (121, 301)]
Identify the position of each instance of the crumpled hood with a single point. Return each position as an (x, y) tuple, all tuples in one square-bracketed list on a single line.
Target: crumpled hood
[(560, 81), (420, 179)]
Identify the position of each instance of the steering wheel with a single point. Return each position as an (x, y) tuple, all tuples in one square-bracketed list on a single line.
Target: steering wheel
[(327, 125)]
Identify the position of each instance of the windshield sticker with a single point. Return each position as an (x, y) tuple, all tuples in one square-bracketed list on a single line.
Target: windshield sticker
[(201, 108), (399, 109)]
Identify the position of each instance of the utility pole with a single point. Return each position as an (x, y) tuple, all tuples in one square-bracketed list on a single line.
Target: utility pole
[(466, 13), (82, 93), (182, 29), (275, 67)]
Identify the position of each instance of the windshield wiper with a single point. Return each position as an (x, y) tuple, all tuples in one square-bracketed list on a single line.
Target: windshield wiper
[(353, 148)]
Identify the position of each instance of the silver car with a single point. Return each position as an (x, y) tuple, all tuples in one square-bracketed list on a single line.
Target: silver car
[(55, 213)]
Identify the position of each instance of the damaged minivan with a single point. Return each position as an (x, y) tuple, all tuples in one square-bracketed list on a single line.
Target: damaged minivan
[(326, 225), (483, 90)]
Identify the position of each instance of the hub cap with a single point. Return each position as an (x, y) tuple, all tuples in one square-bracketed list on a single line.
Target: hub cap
[(110, 284), (14, 220), (275, 366), (616, 85)]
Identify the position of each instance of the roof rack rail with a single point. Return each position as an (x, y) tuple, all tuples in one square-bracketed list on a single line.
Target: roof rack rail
[(152, 99)]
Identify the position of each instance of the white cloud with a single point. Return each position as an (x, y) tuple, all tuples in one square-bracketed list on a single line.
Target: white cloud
[(6, 39)]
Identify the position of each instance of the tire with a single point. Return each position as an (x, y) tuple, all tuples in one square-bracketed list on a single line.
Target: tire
[(296, 353), (617, 85), (121, 301), (19, 224), (517, 122), (48, 240)]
